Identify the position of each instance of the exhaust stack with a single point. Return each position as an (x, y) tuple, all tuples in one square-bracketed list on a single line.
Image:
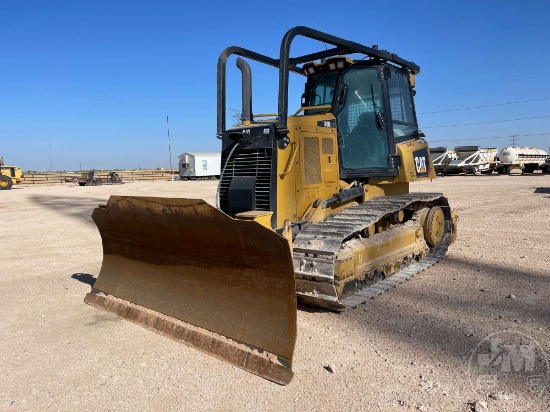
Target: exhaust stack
[(244, 67)]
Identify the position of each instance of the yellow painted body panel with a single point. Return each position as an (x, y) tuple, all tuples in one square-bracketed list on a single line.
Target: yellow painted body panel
[(309, 177), (384, 252), (308, 170), (263, 218), (407, 171)]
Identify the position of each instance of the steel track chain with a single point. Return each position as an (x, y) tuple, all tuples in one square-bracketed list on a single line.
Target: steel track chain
[(319, 243)]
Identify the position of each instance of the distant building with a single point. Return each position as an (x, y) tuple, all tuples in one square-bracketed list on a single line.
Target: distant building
[(196, 165)]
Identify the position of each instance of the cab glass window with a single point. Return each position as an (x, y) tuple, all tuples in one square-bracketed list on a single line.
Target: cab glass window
[(321, 88), (402, 111), (364, 140)]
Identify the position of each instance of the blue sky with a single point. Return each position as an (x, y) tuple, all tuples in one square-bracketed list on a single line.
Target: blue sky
[(95, 80)]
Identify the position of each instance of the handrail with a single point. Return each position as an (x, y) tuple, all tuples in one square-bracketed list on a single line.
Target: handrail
[(290, 161), (326, 109)]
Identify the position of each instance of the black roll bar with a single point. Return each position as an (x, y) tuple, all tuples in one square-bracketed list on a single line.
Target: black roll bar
[(222, 61), (286, 64)]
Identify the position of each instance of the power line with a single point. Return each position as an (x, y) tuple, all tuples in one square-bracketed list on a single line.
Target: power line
[(489, 105), (493, 121), (470, 85), (488, 138), (534, 134)]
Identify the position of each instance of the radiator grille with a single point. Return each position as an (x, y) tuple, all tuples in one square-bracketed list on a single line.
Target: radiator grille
[(248, 163), (312, 161), (327, 146)]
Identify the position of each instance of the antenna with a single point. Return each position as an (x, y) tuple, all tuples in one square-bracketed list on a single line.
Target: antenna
[(169, 147), (237, 115)]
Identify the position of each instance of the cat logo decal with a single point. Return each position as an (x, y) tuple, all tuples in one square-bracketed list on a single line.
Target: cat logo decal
[(421, 162)]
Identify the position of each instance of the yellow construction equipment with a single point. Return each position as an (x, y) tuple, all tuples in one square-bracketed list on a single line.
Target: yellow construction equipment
[(9, 175), (314, 206)]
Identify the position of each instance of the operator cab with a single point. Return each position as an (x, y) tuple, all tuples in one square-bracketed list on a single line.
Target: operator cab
[(374, 110)]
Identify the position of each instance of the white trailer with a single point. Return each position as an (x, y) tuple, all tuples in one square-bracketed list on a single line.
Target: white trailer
[(526, 159), (441, 157), (472, 159), (199, 165)]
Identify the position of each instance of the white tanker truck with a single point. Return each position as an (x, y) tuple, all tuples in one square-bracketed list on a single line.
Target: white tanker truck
[(526, 159)]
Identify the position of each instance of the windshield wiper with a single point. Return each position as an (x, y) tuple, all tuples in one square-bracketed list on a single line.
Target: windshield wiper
[(379, 118)]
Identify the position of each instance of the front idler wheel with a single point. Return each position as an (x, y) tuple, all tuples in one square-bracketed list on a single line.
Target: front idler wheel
[(432, 221)]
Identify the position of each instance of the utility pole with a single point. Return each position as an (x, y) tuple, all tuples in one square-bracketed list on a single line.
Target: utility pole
[(169, 147), (51, 164), (513, 136)]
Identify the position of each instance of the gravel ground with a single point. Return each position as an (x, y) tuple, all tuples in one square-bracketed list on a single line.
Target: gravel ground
[(408, 349)]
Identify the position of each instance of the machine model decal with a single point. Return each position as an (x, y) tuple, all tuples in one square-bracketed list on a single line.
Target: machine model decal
[(326, 123)]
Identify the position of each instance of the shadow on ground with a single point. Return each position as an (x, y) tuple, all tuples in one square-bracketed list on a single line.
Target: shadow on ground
[(445, 323), (73, 207), (84, 278), (544, 190)]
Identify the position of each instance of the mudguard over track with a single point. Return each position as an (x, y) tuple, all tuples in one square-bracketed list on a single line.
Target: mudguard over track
[(172, 263)]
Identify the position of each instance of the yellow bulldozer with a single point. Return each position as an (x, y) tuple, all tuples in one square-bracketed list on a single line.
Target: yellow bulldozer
[(9, 175), (312, 206)]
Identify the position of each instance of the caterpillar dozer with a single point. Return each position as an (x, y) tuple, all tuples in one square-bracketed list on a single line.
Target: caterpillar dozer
[(312, 206)]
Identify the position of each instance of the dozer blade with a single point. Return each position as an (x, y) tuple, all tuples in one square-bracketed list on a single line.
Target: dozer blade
[(184, 269)]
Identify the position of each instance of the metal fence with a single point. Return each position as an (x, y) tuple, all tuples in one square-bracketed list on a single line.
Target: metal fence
[(125, 175)]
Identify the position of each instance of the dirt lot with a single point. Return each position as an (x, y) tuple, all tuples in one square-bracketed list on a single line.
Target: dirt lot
[(408, 349)]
